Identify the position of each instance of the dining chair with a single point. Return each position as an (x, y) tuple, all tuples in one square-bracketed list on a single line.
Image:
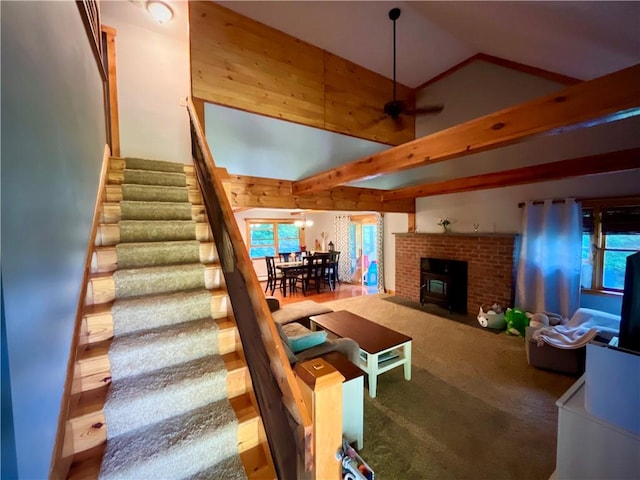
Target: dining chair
[(312, 271), (332, 269), (273, 275), (285, 257)]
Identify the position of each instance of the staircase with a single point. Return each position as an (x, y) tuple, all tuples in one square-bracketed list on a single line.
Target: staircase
[(161, 389)]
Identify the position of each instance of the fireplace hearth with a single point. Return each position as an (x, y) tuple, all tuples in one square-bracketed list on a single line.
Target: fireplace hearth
[(444, 282)]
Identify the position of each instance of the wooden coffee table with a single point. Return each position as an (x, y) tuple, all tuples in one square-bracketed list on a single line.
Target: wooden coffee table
[(381, 348)]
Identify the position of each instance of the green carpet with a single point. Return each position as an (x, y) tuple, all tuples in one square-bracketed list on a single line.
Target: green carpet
[(468, 319), (165, 179), (136, 210), (132, 231), (167, 413), (135, 282), (150, 254), (473, 408), (155, 165), (154, 193), (138, 314)]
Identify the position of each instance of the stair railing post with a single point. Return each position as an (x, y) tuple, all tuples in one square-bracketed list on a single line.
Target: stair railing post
[(321, 386)]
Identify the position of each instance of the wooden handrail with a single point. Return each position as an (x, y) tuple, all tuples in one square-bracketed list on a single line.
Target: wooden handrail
[(289, 430)]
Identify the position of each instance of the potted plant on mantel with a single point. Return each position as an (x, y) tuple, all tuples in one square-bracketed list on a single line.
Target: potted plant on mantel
[(444, 223)]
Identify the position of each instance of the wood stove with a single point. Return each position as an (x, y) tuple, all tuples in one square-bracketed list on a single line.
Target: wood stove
[(444, 282)]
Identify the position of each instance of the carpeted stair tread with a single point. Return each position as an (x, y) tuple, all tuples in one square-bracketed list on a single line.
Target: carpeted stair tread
[(146, 177), (154, 193), (133, 163), (156, 231), (138, 401), (177, 448), (139, 254), (228, 469), (166, 413), (145, 313), (137, 210), (162, 347), (135, 282)]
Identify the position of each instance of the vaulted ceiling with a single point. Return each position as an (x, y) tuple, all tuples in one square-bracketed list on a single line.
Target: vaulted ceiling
[(584, 39), (578, 40)]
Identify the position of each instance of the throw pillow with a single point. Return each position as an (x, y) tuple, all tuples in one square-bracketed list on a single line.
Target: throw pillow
[(285, 342), (309, 340)]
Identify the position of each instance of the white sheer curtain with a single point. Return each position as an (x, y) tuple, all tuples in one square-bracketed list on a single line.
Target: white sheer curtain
[(341, 224), (548, 278), (380, 250)]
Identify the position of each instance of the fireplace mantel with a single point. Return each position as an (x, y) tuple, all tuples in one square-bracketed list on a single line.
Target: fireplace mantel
[(460, 234)]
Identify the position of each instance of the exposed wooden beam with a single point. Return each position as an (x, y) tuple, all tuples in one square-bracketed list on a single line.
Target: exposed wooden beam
[(258, 192), (503, 62), (574, 167), (602, 100)]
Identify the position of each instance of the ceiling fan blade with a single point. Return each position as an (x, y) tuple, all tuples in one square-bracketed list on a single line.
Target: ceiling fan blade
[(426, 110)]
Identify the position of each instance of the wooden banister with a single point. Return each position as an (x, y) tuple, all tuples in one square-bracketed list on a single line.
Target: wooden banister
[(289, 430)]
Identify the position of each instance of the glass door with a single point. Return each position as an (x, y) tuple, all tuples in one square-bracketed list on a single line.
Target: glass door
[(363, 253)]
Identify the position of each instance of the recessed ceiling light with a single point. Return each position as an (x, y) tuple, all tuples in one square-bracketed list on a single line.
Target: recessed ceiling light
[(160, 11)]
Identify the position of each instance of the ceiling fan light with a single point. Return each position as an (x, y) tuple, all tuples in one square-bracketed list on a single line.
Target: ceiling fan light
[(160, 11)]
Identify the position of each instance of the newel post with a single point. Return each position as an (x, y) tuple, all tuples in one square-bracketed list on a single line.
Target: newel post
[(321, 386)]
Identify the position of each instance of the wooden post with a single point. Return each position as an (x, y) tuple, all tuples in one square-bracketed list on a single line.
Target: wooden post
[(321, 386), (412, 223)]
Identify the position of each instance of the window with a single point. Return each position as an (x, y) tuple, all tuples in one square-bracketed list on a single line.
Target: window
[(610, 234), (271, 237)]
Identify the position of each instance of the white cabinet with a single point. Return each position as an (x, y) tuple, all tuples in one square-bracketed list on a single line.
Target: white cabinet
[(589, 446), (352, 398)]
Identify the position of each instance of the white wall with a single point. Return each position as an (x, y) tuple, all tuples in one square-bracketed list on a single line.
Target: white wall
[(153, 80), (393, 223), (496, 210), (53, 139)]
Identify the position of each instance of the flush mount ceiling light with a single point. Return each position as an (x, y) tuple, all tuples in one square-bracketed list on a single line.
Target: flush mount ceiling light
[(160, 11)]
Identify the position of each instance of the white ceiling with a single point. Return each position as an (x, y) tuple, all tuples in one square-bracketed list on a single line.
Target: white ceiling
[(580, 39)]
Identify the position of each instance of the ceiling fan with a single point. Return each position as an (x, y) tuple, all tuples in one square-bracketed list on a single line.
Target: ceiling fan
[(396, 107)]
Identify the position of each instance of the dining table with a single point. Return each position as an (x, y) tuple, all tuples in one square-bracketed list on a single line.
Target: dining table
[(289, 271)]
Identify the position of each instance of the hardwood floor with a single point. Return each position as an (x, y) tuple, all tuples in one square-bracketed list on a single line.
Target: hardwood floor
[(344, 290)]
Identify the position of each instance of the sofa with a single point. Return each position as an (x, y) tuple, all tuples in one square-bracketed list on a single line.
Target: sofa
[(547, 351), (300, 343)]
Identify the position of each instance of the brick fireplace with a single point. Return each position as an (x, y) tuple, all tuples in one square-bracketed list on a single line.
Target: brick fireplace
[(490, 259)]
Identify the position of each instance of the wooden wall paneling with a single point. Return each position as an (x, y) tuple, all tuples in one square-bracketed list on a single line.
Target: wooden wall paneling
[(258, 192), (355, 99), (604, 99), (244, 64), (240, 63)]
